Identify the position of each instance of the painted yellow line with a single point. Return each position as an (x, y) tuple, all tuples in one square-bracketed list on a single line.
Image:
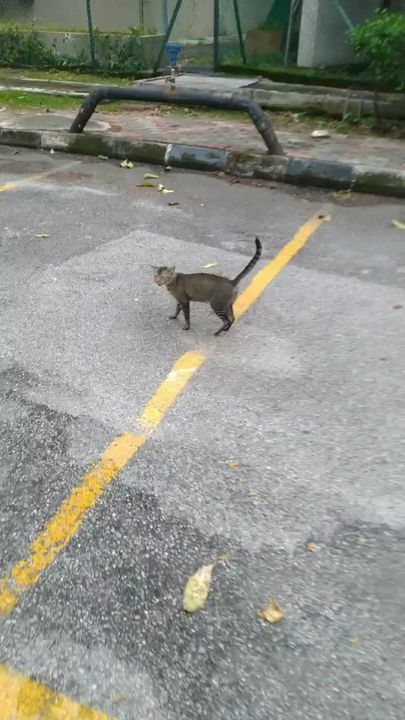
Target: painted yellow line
[(38, 176), (265, 276), (24, 699), (60, 530)]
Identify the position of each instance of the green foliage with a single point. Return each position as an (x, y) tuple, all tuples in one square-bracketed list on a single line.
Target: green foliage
[(380, 43), (22, 47)]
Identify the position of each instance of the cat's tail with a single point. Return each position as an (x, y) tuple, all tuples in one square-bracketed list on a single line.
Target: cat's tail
[(250, 265)]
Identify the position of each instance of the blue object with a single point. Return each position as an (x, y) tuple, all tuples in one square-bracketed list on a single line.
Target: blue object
[(173, 51)]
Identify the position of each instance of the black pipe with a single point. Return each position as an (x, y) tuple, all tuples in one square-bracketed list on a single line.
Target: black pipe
[(146, 93)]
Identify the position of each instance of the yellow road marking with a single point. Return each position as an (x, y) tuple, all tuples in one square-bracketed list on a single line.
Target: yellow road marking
[(60, 530), (265, 276), (24, 699), (38, 176)]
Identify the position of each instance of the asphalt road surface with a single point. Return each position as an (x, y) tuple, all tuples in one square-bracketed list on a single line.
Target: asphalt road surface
[(132, 453)]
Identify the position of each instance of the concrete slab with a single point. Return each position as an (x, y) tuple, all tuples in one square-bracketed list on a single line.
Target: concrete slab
[(193, 81)]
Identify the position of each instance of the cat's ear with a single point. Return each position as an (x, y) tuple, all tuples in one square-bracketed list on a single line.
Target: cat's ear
[(172, 269)]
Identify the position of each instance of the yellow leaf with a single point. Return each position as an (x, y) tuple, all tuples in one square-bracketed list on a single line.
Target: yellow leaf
[(273, 613), (233, 465), (310, 546), (210, 265), (127, 164), (146, 184), (400, 224), (150, 176), (118, 699), (41, 235), (225, 558), (354, 640), (197, 589), (165, 191), (253, 493)]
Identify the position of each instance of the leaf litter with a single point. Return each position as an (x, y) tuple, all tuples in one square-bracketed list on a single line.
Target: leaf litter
[(273, 613), (400, 224), (197, 589)]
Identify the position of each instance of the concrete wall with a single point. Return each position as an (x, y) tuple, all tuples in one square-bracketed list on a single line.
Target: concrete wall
[(194, 21), (323, 34)]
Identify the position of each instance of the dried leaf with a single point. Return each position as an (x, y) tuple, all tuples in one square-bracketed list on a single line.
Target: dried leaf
[(160, 187), (273, 613), (165, 191), (172, 204), (150, 176), (210, 265), (400, 224), (354, 640), (146, 184), (234, 464), (41, 235), (127, 164), (310, 546), (118, 699), (197, 589), (253, 493), (102, 157)]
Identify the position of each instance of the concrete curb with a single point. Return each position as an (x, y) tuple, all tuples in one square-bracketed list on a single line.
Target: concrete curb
[(297, 171)]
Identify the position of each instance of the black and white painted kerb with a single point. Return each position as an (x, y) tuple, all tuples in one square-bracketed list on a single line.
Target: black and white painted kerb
[(289, 169)]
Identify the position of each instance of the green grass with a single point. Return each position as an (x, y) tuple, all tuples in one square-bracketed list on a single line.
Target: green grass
[(68, 75), (23, 101)]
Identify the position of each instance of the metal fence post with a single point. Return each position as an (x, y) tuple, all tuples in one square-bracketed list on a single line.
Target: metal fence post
[(239, 28), (216, 35), (91, 35)]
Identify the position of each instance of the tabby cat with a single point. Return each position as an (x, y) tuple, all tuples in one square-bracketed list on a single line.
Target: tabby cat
[(219, 292)]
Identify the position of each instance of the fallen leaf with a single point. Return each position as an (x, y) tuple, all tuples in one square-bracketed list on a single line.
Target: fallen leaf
[(165, 191), (160, 187), (102, 157), (273, 613), (225, 558), (146, 184), (400, 224), (127, 164), (118, 699), (197, 589), (310, 546), (354, 640), (362, 540), (397, 307), (150, 176), (168, 168), (172, 204), (210, 265), (41, 235), (253, 493), (233, 464)]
